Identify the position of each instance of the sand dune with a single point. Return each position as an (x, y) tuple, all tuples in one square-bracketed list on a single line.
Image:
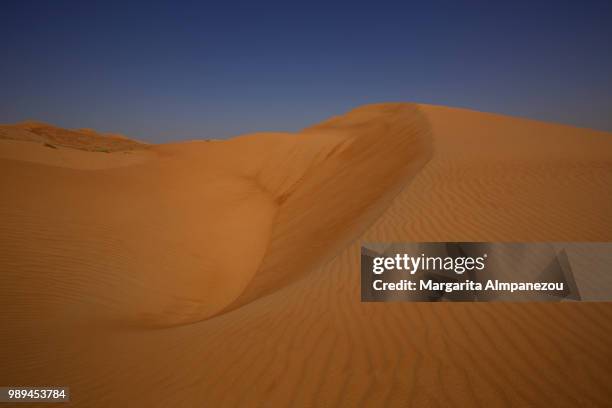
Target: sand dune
[(82, 139), (227, 273)]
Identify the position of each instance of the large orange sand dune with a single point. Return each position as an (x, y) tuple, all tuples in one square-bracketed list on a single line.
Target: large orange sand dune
[(226, 273)]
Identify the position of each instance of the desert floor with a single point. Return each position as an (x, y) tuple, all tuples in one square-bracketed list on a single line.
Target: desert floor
[(226, 273)]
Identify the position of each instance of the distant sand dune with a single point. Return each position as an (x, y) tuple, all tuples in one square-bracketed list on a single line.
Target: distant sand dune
[(82, 139), (227, 273)]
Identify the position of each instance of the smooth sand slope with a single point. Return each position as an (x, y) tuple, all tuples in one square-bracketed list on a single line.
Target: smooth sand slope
[(227, 273)]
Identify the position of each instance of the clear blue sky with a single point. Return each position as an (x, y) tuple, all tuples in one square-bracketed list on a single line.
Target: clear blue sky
[(164, 71)]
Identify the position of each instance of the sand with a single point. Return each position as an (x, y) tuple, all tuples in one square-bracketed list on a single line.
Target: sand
[(226, 273)]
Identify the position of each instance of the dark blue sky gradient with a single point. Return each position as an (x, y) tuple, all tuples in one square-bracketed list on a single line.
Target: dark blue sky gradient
[(169, 71)]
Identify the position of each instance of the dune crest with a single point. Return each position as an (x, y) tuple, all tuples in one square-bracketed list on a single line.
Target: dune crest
[(356, 164)]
